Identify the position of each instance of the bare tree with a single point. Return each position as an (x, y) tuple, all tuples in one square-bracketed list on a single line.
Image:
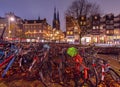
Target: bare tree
[(80, 8)]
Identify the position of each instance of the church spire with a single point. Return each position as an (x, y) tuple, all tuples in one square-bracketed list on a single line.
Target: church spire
[(58, 17), (54, 13), (56, 20)]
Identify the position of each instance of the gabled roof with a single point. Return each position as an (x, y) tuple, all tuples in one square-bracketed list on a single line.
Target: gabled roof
[(34, 21)]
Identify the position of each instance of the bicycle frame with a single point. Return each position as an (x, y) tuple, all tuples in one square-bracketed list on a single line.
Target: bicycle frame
[(86, 73), (6, 60), (104, 68)]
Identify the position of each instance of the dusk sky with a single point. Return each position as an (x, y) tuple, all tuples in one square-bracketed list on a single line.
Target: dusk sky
[(31, 9)]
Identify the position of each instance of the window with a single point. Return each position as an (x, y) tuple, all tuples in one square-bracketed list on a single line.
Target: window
[(110, 32), (67, 32), (111, 22), (84, 23), (1, 24), (81, 23), (97, 27), (95, 17), (82, 18), (116, 31), (107, 32), (107, 22), (109, 27), (101, 27), (93, 27), (26, 26), (71, 32)]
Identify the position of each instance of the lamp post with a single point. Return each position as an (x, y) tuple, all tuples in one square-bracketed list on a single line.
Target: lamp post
[(10, 19)]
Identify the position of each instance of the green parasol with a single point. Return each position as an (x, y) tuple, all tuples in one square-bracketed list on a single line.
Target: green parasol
[(72, 51)]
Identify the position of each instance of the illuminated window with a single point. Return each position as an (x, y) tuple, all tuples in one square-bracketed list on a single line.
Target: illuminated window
[(68, 32), (93, 27), (1, 25), (116, 31), (84, 23), (81, 23), (101, 27), (95, 17), (82, 18), (71, 32), (107, 32), (97, 27)]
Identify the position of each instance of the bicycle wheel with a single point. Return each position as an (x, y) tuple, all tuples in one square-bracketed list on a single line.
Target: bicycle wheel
[(93, 76), (114, 75), (98, 71), (86, 83)]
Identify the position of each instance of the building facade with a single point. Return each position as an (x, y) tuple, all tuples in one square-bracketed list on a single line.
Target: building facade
[(3, 24), (12, 24), (99, 29), (35, 29), (70, 28)]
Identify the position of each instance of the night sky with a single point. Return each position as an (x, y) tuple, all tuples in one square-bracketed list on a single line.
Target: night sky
[(31, 9)]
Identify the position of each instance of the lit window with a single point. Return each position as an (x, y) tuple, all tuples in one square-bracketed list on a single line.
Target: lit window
[(71, 32), (81, 23), (84, 23), (93, 27), (95, 17), (82, 18), (97, 27), (107, 32), (1, 25), (101, 27), (68, 32), (116, 31)]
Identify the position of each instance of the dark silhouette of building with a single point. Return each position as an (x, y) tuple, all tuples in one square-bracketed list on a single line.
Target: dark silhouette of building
[(56, 20)]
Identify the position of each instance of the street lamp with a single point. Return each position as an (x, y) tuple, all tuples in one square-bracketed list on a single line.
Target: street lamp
[(10, 19)]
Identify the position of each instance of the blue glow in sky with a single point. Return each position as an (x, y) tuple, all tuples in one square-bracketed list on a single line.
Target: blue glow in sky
[(31, 9)]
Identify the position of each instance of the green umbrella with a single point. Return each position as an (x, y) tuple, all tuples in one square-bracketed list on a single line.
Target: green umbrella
[(72, 51)]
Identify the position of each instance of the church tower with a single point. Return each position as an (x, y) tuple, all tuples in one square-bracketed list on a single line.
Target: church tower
[(56, 20)]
